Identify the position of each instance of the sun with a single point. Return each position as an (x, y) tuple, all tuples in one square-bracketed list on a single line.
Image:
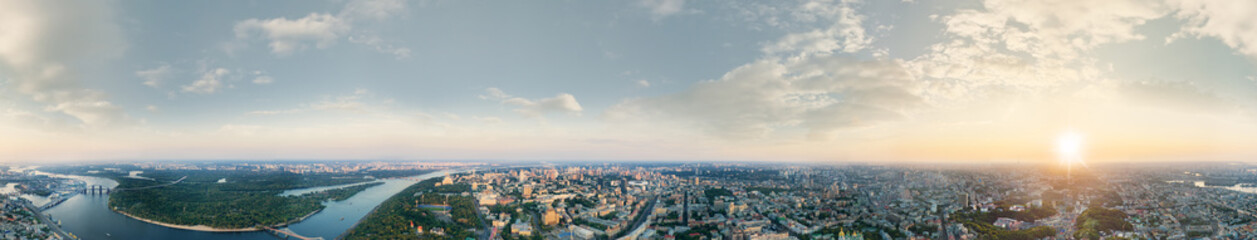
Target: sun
[(1069, 148)]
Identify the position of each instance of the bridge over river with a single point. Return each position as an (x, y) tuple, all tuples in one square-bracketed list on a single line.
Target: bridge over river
[(98, 189)]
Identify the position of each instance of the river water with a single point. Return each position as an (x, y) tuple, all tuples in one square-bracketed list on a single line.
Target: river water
[(89, 217), (1238, 187)]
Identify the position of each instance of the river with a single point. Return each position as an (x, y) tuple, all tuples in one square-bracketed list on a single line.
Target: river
[(1238, 187), (89, 217)]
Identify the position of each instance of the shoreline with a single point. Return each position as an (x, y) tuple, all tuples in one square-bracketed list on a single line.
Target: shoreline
[(204, 228), (201, 228)]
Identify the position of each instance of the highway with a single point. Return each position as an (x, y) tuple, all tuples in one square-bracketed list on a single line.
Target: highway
[(44, 219)]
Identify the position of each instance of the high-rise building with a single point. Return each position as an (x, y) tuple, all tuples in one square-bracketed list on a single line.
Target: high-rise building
[(527, 191), (551, 217)]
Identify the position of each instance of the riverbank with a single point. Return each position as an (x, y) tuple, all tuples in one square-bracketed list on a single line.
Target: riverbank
[(202, 228)]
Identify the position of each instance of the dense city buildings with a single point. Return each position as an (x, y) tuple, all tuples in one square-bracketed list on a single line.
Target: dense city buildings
[(750, 201)]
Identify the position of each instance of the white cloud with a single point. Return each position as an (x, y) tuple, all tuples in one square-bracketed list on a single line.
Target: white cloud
[(375, 10), (1026, 46), (1230, 21), (43, 44), (322, 30), (152, 108), (561, 103), (98, 112), (210, 81), (286, 36), (845, 33), (660, 9), (263, 80), (494, 94), (643, 83), (819, 94), (379, 45), (155, 76), (343, 103)]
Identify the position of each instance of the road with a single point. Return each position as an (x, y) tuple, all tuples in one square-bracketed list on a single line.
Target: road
[(44, 219), (641, 217), (488, 228)]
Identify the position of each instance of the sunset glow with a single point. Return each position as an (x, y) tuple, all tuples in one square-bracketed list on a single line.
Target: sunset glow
[(1069, 148), (809, 81)]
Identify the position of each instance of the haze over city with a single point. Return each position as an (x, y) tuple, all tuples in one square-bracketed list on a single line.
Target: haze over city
[(810, 81)]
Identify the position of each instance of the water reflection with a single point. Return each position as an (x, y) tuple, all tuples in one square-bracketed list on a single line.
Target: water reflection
[(89, 217)]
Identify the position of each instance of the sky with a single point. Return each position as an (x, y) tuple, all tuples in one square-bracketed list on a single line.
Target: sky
[(651, 80)]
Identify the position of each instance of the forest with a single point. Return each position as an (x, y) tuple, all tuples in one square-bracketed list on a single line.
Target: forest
[(243, 199), (1095, 221), (393, 218)]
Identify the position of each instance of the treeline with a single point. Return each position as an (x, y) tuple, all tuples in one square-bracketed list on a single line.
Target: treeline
[(392, 219), (712, 193), (992, 232), (981, 223), (1095, 221), (1031, 214)]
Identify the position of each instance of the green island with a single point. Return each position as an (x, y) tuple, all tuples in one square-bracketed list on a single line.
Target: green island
[(416, 204), (225, 200)]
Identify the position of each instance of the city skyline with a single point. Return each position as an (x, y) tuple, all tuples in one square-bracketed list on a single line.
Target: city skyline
[(800, 81)]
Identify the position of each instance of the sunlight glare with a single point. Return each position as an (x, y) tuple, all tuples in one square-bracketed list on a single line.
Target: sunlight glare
[(1069, 148)]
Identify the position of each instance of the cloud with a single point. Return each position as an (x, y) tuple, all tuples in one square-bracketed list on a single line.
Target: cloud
[(374, 10), (643, 83), (804, 82), (1045, 28), (494, 94), (375, 42), (322, 30), (210, 81), (286, 36), (1229, 21), (153, 77), (561, 103), (43, 44), (90, 110), (845, 34), (660, 9), (818, 94), (1026, 46), (263, 80)]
